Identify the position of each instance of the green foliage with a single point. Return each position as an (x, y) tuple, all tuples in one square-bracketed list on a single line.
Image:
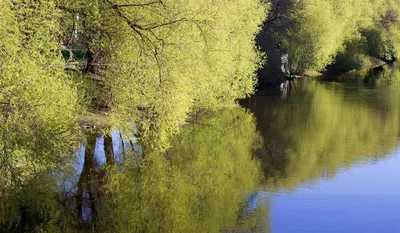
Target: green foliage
[(320, 29), (314, 32), (151, 65), (198, 185), (38, 101), (385, 76), (379, 27), (161, 59), (90, 92), (31, 207), (384, 33)]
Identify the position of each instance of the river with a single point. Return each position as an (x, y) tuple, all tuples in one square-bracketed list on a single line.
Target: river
[(322, 155)]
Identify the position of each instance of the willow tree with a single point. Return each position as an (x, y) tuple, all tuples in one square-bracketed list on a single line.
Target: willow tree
[(382, 29), (161, 59), (321, 28), (378, 36), (317, 33), (311, 32), (38, 102)]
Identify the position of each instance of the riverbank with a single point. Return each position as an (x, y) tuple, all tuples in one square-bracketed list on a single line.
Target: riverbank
[(94, 120), (360, 65)]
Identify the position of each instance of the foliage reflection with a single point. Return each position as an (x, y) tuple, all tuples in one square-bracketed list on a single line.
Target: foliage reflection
[(199, 185), (327, 126)]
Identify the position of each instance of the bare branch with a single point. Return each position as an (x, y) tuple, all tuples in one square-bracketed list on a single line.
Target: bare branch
[(135, 5)]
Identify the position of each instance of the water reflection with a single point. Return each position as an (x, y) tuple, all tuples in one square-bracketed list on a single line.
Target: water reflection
[(199, 185), (222, 172), (322, 128)]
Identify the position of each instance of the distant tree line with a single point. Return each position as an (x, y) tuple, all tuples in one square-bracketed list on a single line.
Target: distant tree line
[(337, 35)]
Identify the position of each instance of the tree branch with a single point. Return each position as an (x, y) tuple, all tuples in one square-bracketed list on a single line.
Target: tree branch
[(135, 5)]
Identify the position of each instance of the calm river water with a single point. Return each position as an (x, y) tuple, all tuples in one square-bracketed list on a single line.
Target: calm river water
[(318, 156), (332, 157)]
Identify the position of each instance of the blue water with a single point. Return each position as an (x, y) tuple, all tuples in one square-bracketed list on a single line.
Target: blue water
[(364, 198)]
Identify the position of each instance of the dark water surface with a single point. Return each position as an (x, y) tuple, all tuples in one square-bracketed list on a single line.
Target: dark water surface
[(319, 156)]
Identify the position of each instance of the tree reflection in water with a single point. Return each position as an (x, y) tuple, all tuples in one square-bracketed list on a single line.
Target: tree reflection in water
[(210, 178), (201, 184), (322, 128)]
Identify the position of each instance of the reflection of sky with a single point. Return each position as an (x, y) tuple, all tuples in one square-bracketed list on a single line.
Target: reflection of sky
[(99, 153), (69, 176), (362, 199), (72, 174)]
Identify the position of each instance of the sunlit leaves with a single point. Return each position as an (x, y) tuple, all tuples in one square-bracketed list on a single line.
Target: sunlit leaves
[(165, 58), (38, 102), (314, 32)]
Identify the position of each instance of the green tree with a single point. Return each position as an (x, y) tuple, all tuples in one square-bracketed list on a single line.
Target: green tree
[(38, 102), (314, 32), (160, 60)]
